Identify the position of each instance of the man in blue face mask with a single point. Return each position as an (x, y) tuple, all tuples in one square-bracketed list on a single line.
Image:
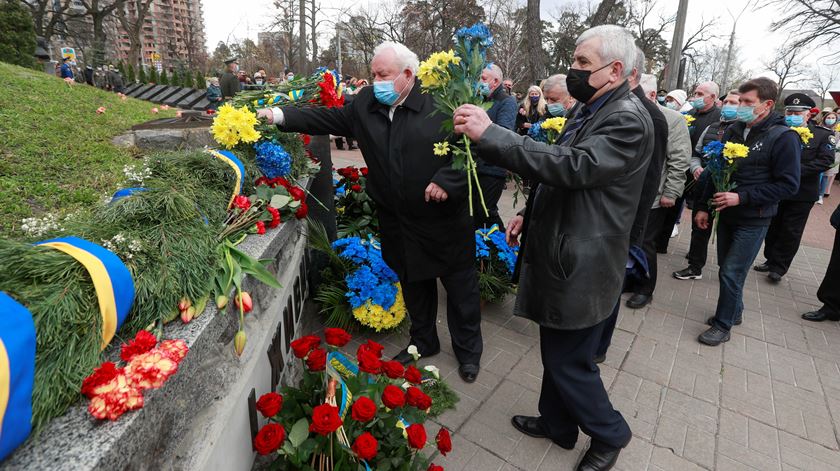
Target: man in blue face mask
[(426, 230), (490, 177), (785, 232), (557, 98)]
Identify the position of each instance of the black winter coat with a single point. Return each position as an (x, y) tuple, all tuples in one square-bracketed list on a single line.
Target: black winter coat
[(653, 176), (817, 157), (420, 240)]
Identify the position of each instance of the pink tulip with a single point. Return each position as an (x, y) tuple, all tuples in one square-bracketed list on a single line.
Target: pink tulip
[(155, 110)]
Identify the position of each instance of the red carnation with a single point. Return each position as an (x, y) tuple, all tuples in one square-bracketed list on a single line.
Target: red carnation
[(102, 375), (317, 360), (364, 171), (297, 193), (305, 138), (269, 404), (275, 217), (417, 398), (302, 346), (269, 438), (444, 441), (325, 420), (302, 211), (363, 410), (142, 343), (416, 436), (357, 188), (242, 202), (336, 337), (274, 182), (354, 175), (393, 369), (260, 227), (369, 362), (365, 446), (372, 346), (413, 375), (434, 467), (393, 397)]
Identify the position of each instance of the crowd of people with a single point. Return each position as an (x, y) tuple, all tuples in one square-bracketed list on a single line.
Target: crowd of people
[(603, 203), (103, 77)]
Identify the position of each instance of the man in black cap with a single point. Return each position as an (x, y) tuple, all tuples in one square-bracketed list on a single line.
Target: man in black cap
[(229, 83), (785, 232)]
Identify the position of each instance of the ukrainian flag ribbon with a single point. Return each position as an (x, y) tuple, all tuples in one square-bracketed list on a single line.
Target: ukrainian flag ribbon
[(126, 192), (17, 373), (111, 280), (229, 158)]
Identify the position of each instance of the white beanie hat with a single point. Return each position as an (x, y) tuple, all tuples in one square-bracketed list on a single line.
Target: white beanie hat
[(678, 95)]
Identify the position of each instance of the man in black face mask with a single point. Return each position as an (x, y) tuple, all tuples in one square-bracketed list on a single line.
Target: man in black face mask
[(579, 217)]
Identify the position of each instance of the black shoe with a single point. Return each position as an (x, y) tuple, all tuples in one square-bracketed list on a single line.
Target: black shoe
[(764, 267), (352, 148), (532, 426), (819, 316), (406, 358), (638, 301), (468, 372), (714, 336), (687, 255), (600, 460), (339, 147), (689, 273), (711, 321), (774, 277), (600, 359)]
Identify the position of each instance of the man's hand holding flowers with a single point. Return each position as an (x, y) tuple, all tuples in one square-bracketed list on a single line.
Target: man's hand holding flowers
[(471, 121)]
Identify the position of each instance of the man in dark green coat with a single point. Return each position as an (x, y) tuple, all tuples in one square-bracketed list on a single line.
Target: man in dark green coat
[(229, 82)]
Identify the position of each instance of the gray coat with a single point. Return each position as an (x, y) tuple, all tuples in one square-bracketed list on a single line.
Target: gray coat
[(677, 157), (578, 218)]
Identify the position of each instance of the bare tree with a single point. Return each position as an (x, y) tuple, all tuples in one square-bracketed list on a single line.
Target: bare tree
[(284, 22), (312, 11), (302, 37), (99, 12), (48, 16), (822, 80), (132, 18), (603, 12), (506, 19), (533, 42), (649, 30), (786, 65), (815, 23)]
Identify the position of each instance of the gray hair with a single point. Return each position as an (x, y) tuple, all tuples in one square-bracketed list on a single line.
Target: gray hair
[(555, 81), (617, 44), (496, 70), (712, 87), (405, 58), (639, 65), (648, 83)]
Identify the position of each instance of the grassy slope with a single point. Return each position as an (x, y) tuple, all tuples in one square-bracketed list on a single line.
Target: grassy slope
[(55, 151)]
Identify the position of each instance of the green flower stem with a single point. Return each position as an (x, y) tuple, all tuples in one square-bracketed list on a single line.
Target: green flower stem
[(472, 173)]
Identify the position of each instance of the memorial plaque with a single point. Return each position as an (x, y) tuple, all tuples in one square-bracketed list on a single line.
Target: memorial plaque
[(140, 90), (152, 92), (178, 96), (164, 95), (202, 104)]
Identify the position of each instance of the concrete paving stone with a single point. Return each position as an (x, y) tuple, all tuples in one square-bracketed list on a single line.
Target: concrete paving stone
[(499, 442), (793, 368), (661, 326), (748, 440), (651, 360), (557, 459), (700, 448), (630, 320), (747, 353), (803, 413), (523, 326), (739, 457), (485, 460), (638, 400), (528, 372), (671, 434), (608, 374), (695, 412), (748, 393), (663, 459), (454, 419), (829, 373), (725, 463), (635, 456), (479, 390), (499, 361), (529, 453), (796, 451), (784, 333), (463, 451)]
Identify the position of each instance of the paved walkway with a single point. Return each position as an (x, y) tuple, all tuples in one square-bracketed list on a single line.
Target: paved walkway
[(769, 399)]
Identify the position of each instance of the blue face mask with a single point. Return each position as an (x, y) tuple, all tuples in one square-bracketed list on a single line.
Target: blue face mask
[(830, 122), (794, 120), (729, 112), (746, 114), (483, 89), (385, 93), (672, 105), (697, 103), (556, 109), (660, 99)]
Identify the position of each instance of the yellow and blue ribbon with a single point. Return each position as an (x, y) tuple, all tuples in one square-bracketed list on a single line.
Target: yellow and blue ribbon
[(17, 373), (229, 158), (292, 95), (111, 280)]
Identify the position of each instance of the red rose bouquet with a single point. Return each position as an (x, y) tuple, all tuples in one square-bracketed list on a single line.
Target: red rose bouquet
[(347, 413)]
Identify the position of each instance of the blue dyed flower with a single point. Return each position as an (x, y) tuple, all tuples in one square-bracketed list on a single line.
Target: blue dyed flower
[(537, 133), (478, 33), (713, 148), (272, 159), (372, 279)]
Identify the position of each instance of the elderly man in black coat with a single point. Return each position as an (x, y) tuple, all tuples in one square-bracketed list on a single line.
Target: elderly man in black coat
[(426, 229), (579, 220)]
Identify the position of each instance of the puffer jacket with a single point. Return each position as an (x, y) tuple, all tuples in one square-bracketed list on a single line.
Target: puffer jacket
[(579, 216)]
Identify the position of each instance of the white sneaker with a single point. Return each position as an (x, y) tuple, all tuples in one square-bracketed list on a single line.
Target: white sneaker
[(676, 230), (819, 201)]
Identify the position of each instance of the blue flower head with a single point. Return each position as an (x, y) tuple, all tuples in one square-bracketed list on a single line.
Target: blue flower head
[(537, 133), (713, 148), (478, 33), (272, 159), (372, 279)]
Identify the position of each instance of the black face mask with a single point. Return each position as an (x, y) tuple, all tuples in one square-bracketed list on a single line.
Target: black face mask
[(577, 81)]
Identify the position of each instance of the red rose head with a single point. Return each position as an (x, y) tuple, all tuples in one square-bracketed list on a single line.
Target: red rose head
[(269, 438), (417, 398), (413, 375), (357, 188), (365, 446), (302, 346), (325, 420), (372, 346), (317, 360), (393, 369), (416, 436), (434, 467), (364, 171), (363, 410), (444, 441), (369, 362), (354, 175), (305, 138), (270, 404), (336, 337), (393, 397)]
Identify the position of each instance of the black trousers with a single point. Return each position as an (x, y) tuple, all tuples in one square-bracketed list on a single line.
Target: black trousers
[(463, 313), (785, 234), (698, 249), (658, 218), (829, 291), (672, 215), (607, 333), (491, 188), (573, 394)]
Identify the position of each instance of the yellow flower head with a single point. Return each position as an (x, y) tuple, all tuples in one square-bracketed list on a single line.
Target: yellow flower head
[(689, 120), (554, 124), (804, 133), (232, 126), (377, 318), (441, 148), (434, 72), (732, 150)]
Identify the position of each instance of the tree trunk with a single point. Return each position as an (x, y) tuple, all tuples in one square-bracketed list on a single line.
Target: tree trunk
[(602, 13), (302, 39), (98, 40), (536, 69), (314, 37)]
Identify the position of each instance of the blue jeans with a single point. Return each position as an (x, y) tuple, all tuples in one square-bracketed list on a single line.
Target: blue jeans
[(737, 247)]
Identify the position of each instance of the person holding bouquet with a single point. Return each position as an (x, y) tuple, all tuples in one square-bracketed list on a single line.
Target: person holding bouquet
[(421, 201), (576, 230), (766, 172)]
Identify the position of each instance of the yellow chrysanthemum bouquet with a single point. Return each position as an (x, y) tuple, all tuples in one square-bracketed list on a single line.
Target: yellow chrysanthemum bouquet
[(234, 125), (452, 77), (723, 162)]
